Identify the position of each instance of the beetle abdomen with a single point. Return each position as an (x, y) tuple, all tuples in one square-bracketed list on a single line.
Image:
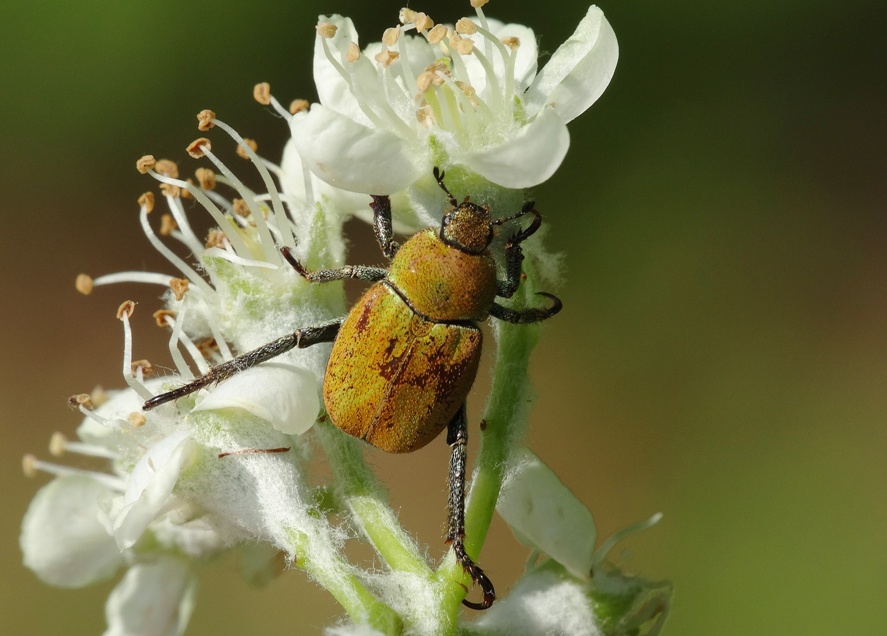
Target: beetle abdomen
[(396, 379)]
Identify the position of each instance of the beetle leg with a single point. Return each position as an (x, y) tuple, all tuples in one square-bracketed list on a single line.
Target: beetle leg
[(381, 206), (299, 339), (514, 255), (361, 272), (457, 438), (531, 314)]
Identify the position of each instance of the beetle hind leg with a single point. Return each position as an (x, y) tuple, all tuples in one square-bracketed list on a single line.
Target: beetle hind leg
[(457, 438)]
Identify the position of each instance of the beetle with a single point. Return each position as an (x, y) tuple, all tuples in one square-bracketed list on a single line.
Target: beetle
[(406, 355)]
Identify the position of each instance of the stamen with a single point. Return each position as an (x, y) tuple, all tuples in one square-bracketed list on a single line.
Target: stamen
[(136, 420), (248, 143), (84, 284), (178, 358), (493, 89), (30, 466), (206, 178), (235, 258), (386, 57), (326, 30), (202, 198), (123, 313), (205, 120), (178, 213), (407, 16), (601, 553), (438, 33), (271, 251), (422, 22), (173, 258), (353, 53), (299, 105), (262, 94), (465, 26), (81, 399), (179, 286), (147, 200), (59, 445), (390, 36), (168, 225)]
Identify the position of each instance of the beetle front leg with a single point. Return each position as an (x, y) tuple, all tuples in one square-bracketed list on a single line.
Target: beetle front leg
[(382, 227), (299, 339), (361, 272), (531, 314), (514, 254), (457, 438)]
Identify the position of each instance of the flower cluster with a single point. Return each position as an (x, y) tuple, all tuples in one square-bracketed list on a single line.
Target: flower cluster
[(226, 468)]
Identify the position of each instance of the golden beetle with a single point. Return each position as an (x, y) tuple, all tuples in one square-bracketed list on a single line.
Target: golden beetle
[(406, 355)]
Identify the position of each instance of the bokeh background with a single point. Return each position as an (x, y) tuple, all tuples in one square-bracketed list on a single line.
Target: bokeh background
[(722, 355)]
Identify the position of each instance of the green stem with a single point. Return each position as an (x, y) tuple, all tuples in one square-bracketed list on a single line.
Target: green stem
[(363, 495), (334, 574), (502, 427)]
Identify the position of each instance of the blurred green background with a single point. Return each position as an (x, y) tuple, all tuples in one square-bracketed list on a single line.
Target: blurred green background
[(722, 355)]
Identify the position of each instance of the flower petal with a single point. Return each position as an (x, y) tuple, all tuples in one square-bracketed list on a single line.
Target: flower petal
[(283, 395), (544, 514), (332, 87), (63, 538), (579, 70), (150, 485), (153, 599), (528, 158), (354, 157)]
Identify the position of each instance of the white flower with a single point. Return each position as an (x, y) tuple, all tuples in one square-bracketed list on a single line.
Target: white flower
[(466, 98)]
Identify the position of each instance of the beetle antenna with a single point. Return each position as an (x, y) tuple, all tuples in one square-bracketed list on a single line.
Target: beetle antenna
[(439, 176), (529, 206)]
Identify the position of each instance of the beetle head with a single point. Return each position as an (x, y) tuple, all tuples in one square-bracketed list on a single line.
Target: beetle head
[(467, 227)]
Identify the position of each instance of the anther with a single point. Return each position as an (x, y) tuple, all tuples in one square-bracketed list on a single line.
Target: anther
[(391, 35), (386, 57), (511, 42), (262, 93), (83, 284), (170, 190), (215, 238), (57, 444), (422, 21), (241, 152), (147, 201), (425, 115), (198, 147), (353, 53), (463, 46), (179, 286), (438, 33), (146, 163), (407, 16), (326, 30), (142, 366), (126, 309), (81, 399), (205, 120), (206, 178), (29, 465), (240, 208), (477, 4), (167, 168), (465, 26), (167, 225), (136, 419), (298, 106), (185, 193), (161, 315)]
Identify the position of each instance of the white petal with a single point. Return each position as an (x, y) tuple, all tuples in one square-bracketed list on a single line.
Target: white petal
[(528, 158), (332, 87), (153, 599), (63, 539), (525, 63), (544, 514), (282, 394), (579, 70), (150, 485), (352, 156)]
